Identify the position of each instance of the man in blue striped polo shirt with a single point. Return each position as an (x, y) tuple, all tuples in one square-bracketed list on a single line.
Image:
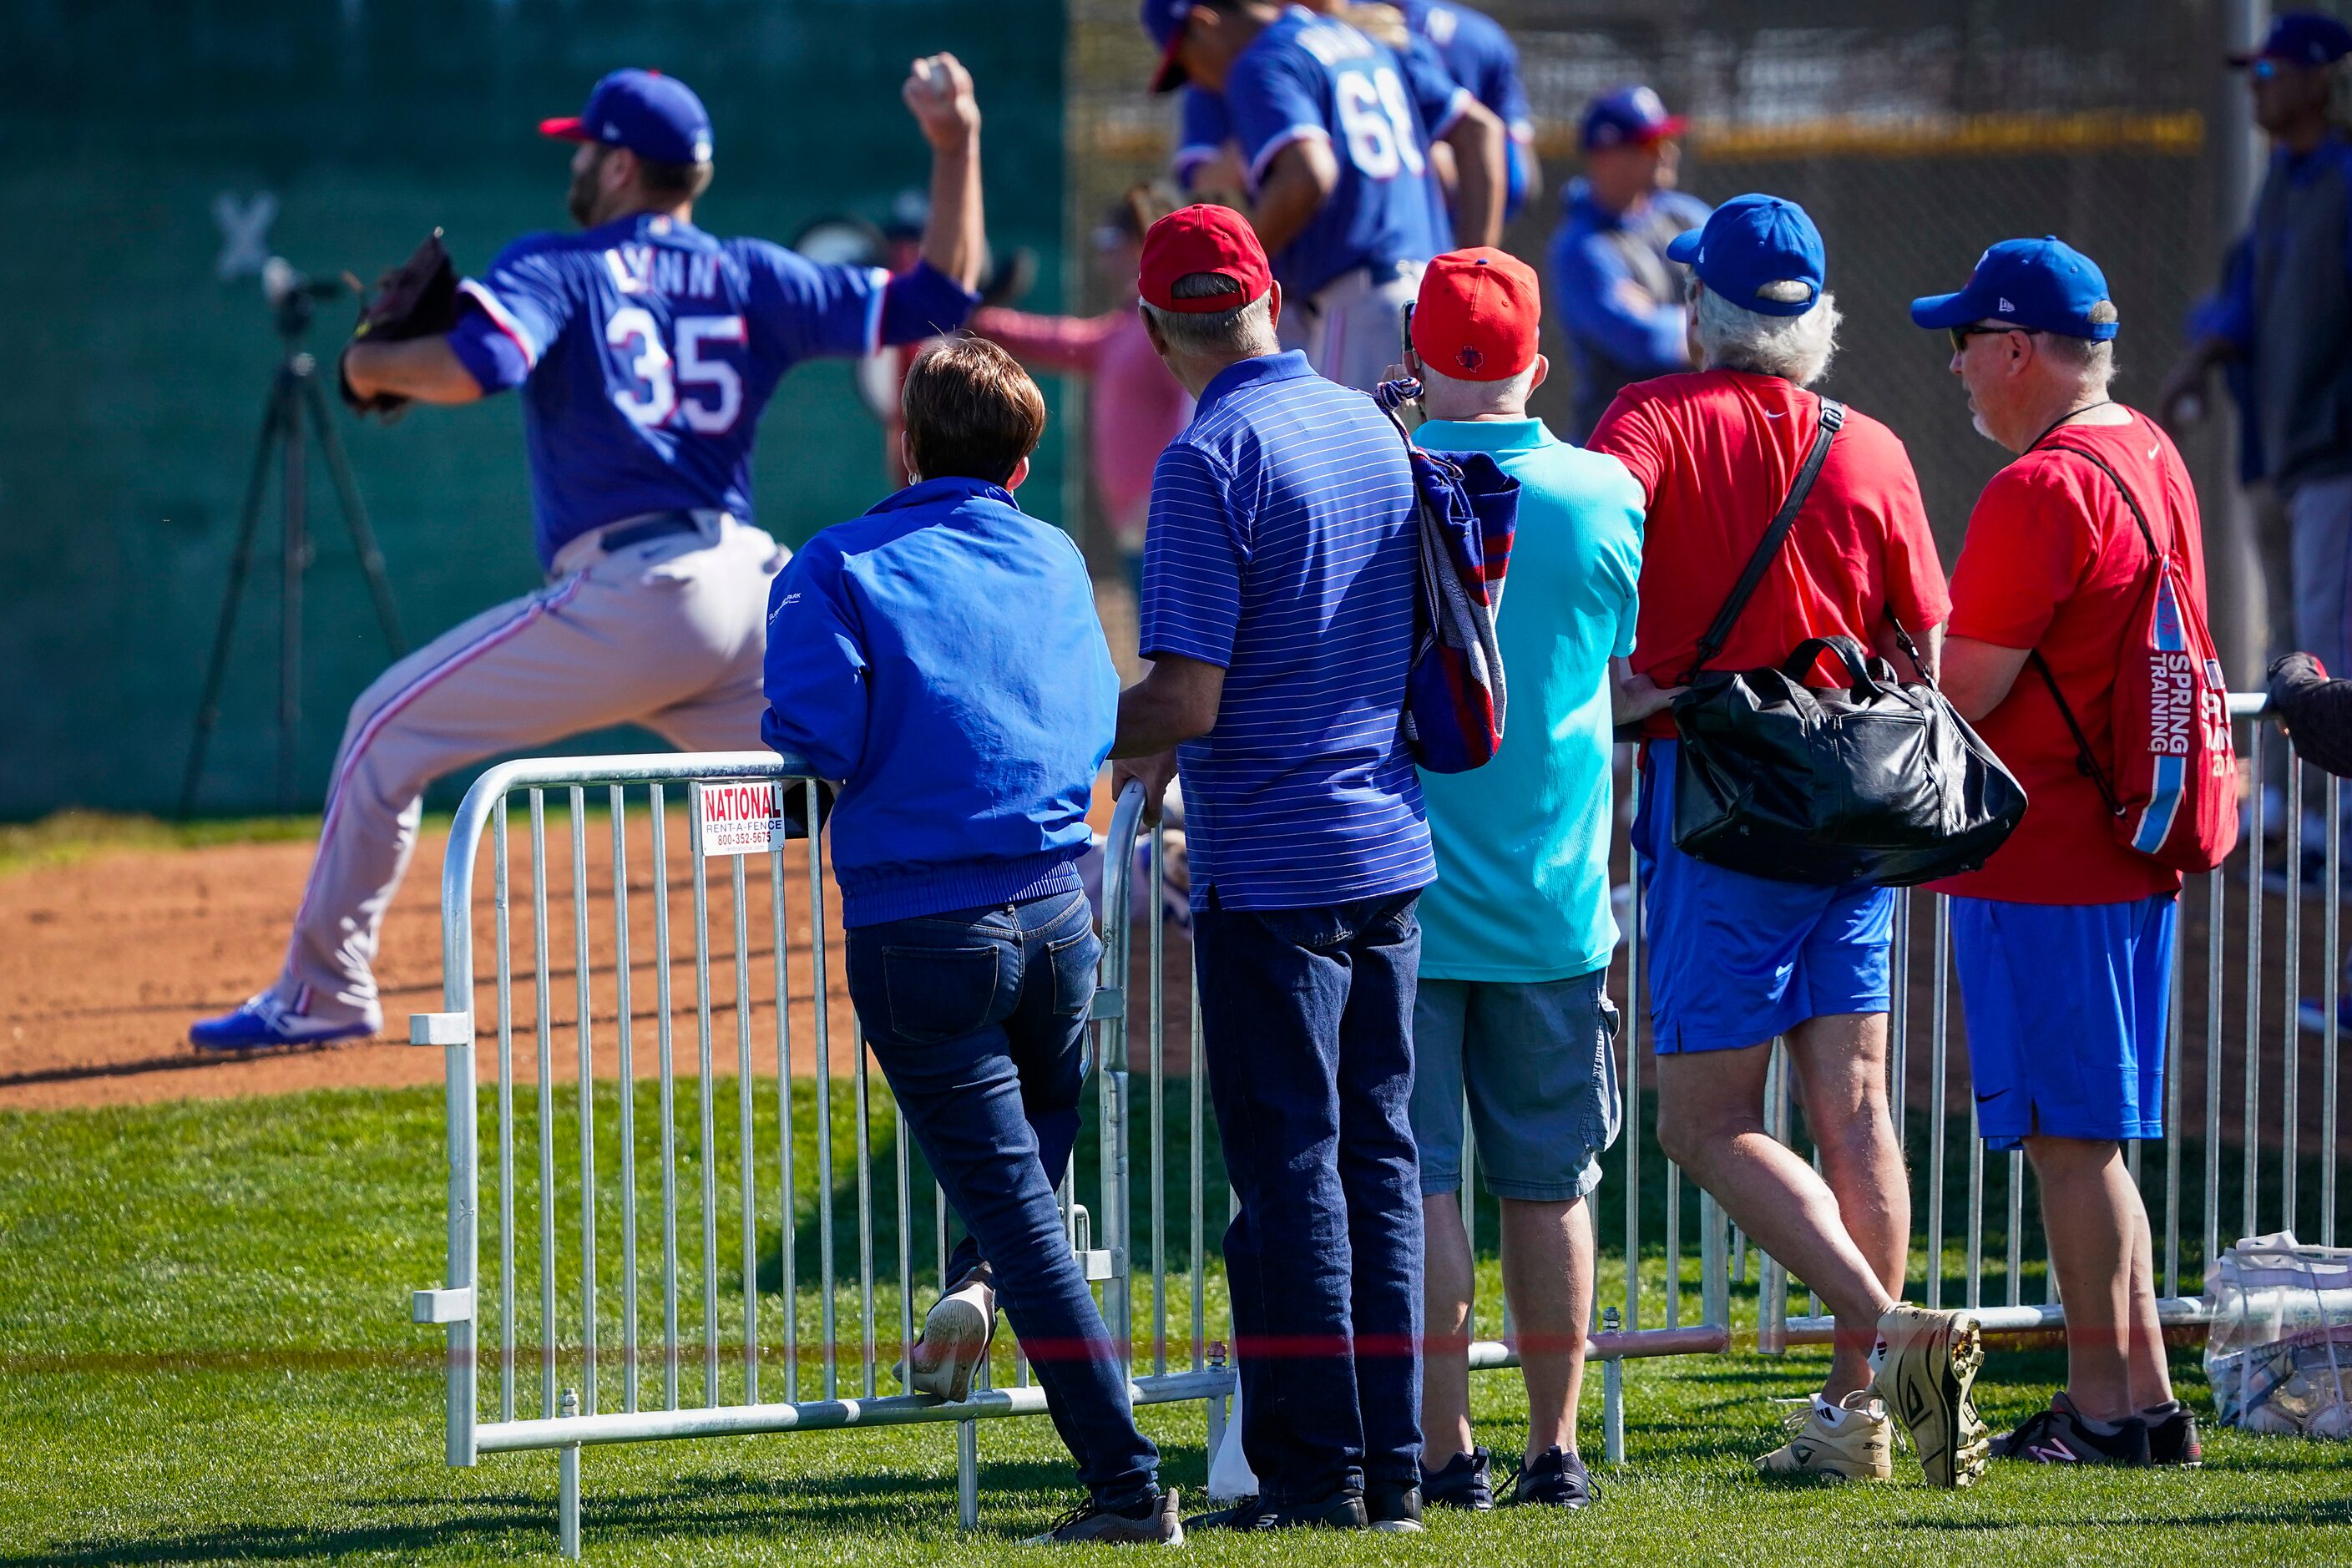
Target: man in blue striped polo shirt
[(1279, 575)]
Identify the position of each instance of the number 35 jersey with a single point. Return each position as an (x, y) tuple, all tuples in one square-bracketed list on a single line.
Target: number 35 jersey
[(1308, 77), (646, 349)]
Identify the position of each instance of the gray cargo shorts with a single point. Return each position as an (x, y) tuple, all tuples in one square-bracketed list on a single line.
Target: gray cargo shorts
[(1537, 1064)]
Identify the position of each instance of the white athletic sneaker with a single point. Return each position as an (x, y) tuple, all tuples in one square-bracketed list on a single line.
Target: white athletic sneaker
[(954, 1343), (1852, 1440)]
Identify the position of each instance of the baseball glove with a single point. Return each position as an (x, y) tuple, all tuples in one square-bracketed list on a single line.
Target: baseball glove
[(415, 299)]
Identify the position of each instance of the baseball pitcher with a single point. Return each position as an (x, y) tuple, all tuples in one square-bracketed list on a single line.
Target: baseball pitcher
[(645, 350)]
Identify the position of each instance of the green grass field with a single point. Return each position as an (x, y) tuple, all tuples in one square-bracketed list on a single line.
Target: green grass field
[(204, 1356)]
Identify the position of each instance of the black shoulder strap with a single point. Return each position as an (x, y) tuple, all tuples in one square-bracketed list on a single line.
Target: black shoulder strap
[(1833, 415), (2085, 762)]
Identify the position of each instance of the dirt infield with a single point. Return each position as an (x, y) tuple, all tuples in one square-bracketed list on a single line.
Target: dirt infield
[(105, 961)]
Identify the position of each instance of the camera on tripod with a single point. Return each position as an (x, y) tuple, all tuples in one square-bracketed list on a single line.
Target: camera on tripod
[(295, 401)]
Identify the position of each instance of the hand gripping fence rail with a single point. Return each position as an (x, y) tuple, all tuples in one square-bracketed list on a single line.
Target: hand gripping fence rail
[(649, 1203)]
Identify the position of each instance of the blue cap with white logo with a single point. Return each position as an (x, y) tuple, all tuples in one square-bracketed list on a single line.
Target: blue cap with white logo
[(2303, 39), (1751, 250), (2043, 284), (1628, 117), (654, 116)]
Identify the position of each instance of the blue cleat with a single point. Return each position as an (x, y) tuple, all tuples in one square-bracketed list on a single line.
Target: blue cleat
[(265, 1022)]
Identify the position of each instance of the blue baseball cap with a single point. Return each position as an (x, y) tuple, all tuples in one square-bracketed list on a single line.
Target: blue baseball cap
[(654, 116), (1628, 117), (2044, 284), (1750, 243), (2303, 39), (1164, 21)]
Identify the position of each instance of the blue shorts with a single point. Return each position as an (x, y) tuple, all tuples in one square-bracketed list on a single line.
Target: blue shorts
[(1735, 960), (2067, 1009)]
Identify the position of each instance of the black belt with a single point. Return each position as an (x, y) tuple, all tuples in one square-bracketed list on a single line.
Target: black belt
[(661, 525)]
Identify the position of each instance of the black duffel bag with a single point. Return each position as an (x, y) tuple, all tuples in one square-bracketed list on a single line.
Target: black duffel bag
[(1880, 782)]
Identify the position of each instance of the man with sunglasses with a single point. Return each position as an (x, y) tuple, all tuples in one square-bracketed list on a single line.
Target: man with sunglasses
[(2063, 939), (2281, 325)]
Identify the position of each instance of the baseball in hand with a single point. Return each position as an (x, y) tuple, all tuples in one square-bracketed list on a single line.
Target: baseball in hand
[(938, 93)]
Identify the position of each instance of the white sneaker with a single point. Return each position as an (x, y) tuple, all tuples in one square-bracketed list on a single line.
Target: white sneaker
[(1852, 1440), (956, 1332)]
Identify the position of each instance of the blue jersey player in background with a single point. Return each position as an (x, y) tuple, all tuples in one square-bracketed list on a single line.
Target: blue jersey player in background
[(644, 350), (1619, 295), (1472, 46), (1335, 130)]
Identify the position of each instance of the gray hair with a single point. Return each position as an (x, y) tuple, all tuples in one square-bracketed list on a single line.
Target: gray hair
[(2091, 359), (1244, 332), (1448, 397), (1794, 348)]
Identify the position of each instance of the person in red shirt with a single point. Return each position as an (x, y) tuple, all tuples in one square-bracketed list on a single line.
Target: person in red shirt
[(2063, 939), (1736, 960)]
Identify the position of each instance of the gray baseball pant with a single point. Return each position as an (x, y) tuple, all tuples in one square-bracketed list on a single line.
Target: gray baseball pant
[(670, 633), (1355, 327)]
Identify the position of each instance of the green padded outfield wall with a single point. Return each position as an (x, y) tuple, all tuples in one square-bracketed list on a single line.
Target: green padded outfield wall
[(127, 431)]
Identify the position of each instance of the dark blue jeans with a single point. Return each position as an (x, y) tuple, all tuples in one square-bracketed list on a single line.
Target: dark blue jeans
[(979, 1018), (1306, 1019)]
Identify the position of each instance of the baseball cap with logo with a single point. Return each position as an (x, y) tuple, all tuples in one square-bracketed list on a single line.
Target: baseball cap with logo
[(1750, 249), (1202, 239), (1628, 117), (1477, 315), (654, 116), (2043, 284), (1164, 21), (2303, 39)]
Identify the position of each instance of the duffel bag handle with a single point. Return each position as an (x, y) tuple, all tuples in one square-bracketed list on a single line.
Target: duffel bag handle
[(1848, 652)]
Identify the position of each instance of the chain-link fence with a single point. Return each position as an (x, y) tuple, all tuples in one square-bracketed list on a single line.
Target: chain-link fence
[(1915, 137)]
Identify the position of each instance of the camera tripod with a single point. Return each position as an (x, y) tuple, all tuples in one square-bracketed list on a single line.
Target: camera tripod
[(296, 401)]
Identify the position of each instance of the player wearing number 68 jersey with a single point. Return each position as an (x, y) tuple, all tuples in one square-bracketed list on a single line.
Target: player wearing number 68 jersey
[(645, 350), (1335, 130)]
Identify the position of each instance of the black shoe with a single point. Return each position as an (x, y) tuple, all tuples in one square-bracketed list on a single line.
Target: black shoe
[(1555, 1478), (1341, 1510), (2059, 1437), (1393, 1506), (2172, 1438), (1152, 1523), (1465, 1483)]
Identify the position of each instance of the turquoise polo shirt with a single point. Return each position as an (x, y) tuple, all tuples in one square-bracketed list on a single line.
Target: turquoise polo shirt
[(1522, 844)]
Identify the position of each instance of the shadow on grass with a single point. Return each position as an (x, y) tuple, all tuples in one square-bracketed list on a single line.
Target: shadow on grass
[(2313, 1515), (717, 1507)]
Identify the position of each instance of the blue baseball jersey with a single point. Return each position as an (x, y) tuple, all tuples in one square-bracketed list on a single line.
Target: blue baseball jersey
[(1308, 75), (1480, 54), (646, 349)]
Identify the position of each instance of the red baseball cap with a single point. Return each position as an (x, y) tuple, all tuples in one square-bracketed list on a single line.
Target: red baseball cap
[(1202, 239), (1477, 316)]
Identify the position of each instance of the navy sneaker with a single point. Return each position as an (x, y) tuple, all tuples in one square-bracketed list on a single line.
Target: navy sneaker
[(2172, 1438), (2059, 1436), (1341, 1510), (265, 1022), (1394, 1508), (1466, 1482), (1554, 1478)]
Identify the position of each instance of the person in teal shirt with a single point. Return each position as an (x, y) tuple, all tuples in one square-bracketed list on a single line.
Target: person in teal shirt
[(1513, 1012)]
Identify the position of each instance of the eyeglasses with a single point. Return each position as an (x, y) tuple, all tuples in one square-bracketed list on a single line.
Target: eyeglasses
[(1960, 335)]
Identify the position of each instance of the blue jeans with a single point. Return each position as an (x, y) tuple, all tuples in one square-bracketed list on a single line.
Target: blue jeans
[(1306, 1019), (979, 1018)]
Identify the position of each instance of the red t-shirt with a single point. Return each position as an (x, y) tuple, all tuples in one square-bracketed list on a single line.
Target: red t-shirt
[(2053, 562), (1715, 452)]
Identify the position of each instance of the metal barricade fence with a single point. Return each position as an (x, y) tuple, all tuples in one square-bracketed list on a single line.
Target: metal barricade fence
[(858, 1375)]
